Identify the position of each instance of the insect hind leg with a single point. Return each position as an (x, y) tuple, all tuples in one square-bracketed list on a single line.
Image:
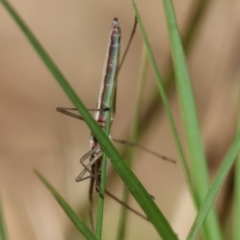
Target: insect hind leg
[(93, 161)]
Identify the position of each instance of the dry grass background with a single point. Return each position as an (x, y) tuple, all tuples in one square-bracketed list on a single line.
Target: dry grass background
[(35, 136)]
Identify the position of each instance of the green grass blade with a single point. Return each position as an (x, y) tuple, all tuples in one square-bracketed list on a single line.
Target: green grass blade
[(190, 120), (3, 229), (197, 16), (236, 215), (99, 223), (67, 209), (198, 12), (132, 183), (217, 183), (165, 101), (133, 138), (100, 212)]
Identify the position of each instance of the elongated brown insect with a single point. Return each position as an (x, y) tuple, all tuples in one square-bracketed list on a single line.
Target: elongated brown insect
[(109, 78)]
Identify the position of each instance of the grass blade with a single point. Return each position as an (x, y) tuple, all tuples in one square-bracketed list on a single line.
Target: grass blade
[(236, 219), (217, 183), (104, 169), (132, 183), (99, 222), (133, 138), (67, 209), (190, 120), (3, 229), (165, 101)]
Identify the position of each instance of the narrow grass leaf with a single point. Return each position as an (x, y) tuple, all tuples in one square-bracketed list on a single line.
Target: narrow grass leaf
[(132, 183), (3, 229), (68, 210), (100, 211), (133, 138), (236, 206), (190, 120), (99, 222), (217, 183), (164, 100), (198, 13)]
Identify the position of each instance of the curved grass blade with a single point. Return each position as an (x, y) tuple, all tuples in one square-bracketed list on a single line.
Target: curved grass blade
[(99, 222), (3, 229), (236, 229), (133, 138), (100, 211), (236, 203), (217, 183), (67, 209), (165, 101), (133, 184), (190, 120)]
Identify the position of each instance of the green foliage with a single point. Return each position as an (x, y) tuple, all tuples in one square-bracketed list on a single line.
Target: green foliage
[(67, 209), (196, 175), (3, 229), (132, 183)]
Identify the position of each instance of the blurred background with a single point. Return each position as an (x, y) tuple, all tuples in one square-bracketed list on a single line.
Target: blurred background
[(35, 136)]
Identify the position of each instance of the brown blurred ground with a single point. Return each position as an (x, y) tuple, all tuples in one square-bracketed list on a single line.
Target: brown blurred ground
[(35, 136)]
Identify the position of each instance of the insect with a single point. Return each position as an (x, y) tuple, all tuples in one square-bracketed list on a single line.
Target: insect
[(108, 87)]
